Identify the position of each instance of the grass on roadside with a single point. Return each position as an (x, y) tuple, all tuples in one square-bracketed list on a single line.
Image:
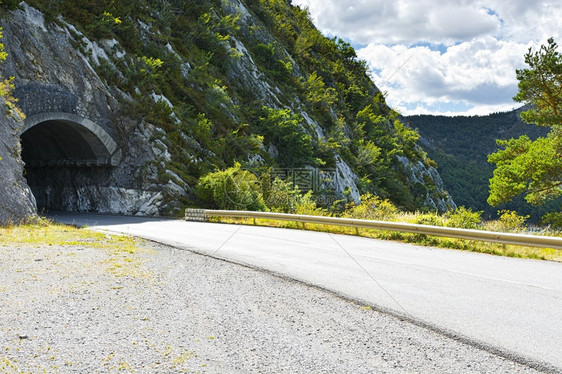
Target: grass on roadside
[(420, 239), (40, 232)]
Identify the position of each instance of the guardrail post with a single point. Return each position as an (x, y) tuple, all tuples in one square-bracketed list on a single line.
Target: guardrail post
[(198, 215)]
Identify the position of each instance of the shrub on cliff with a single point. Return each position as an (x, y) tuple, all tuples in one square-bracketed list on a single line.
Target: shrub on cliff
[(233, 188)]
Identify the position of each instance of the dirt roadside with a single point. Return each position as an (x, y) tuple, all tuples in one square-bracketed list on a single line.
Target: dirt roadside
[(156, 309)]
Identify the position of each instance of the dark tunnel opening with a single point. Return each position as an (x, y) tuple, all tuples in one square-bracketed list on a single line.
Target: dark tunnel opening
[(64, 163)]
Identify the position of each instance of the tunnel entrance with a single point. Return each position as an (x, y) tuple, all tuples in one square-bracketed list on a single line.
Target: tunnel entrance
[(68, 159)]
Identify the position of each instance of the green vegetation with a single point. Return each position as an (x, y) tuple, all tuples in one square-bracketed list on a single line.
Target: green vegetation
[(310, 102), (41, 232), (6, 87), (541, 86), (239, 189), (524, 166), (283, 130), (233, 189)]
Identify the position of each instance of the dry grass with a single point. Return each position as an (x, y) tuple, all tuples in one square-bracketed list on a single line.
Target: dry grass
[(121, 251), (122, 248), (420, 239), (41, 232)]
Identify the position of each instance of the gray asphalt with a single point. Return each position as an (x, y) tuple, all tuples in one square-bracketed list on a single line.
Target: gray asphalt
[(509, 306)]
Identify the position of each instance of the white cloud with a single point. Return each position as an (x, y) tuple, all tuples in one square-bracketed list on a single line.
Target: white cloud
[(435, 21), (442, 55), (401, 21), (476, 73), (461, 23)]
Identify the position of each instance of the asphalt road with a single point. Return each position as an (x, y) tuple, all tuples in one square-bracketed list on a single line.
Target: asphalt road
[(509, 306)]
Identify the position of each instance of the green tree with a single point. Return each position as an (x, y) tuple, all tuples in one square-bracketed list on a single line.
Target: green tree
[(533, 167), (317, 93), (233, 189), (283, 129), (541, 85)]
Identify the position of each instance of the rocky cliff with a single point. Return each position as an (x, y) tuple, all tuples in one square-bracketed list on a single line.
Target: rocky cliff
[(129, 104), (53, 76), (16, 200)]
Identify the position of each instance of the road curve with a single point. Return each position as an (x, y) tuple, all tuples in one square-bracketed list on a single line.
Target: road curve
[(506, 305)]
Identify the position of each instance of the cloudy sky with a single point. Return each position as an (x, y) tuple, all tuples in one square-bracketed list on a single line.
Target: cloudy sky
[(442, 56)]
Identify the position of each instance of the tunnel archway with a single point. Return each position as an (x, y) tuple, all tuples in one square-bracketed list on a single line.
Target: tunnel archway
[(66, 156)]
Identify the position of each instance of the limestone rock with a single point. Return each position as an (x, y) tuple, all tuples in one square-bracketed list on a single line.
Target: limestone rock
[(427, 178), (16, 200)]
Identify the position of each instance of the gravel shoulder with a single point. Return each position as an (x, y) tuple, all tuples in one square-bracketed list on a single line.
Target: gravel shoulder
[(74, 309)]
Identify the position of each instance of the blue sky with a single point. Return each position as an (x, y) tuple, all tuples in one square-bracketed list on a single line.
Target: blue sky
[(451, 57)]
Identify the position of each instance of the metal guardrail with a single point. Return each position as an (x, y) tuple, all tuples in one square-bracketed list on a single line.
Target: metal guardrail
[(450, 232)]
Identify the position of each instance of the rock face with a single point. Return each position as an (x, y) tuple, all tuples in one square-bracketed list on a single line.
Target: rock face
[(16, 200), (429, 181)]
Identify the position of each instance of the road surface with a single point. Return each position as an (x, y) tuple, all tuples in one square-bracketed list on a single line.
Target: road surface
[(509, 306)]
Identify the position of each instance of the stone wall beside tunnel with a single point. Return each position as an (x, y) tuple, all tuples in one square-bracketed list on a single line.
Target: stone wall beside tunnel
[(17, 203)]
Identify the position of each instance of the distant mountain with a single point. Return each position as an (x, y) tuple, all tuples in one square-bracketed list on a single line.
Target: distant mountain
[(460, 145)]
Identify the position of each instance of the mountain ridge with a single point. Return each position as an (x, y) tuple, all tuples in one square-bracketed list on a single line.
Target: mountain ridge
[(461, 144)]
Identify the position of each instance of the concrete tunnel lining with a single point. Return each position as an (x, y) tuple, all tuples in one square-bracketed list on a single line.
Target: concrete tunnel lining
[(68, 161), (88, 135)]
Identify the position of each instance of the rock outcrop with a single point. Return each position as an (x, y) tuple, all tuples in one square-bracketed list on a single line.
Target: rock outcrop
[(52, 75), (429, 182), (16, 200)]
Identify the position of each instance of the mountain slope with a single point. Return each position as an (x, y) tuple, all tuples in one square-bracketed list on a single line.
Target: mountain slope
[(214, 83), (460, 145)]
